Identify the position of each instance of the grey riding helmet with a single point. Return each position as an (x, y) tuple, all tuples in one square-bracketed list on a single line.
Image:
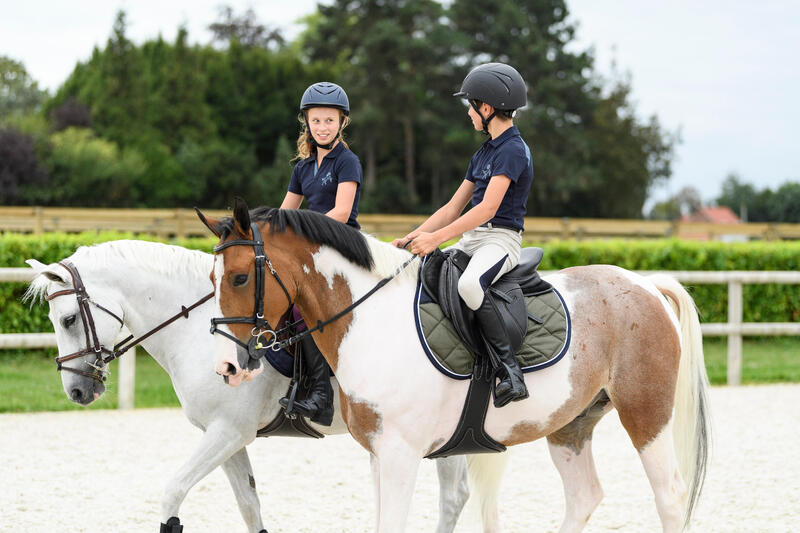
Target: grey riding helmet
[(496, 84), (325, 94)]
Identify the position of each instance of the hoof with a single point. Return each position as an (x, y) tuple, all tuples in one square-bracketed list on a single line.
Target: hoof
[(173, 525)]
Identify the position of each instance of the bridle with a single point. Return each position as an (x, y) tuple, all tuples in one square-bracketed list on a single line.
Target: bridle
[(103, 355), (261, 327)]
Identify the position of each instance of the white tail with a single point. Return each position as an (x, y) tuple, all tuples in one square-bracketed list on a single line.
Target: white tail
[(691, 421), (485, 471)]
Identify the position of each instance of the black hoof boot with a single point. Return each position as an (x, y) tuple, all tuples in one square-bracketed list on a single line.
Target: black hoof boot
[(173, 525), (318, 406)]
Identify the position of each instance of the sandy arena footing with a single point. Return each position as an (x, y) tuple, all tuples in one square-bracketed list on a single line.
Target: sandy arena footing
[(104, 471)]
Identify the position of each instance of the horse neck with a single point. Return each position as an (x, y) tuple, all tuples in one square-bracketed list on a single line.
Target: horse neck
[(149, 298), (330, 287)]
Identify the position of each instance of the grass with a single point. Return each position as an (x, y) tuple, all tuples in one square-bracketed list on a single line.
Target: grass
[(29, 381), (764, 360)]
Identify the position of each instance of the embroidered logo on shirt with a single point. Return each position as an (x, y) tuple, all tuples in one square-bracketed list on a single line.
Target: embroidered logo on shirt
[(327, 179), (486, 172)]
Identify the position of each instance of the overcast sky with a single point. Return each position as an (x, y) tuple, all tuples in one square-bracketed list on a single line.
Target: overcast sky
[(723, 73)]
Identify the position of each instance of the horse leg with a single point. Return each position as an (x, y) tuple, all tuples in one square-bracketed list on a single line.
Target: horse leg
[(240, 475), (571, 450), (661, 466), (645, 415), (397, 473), (582, 490), (453, 491), (376, 485), (218, 443)]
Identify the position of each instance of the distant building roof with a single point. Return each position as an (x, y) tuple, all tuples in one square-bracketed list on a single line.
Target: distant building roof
[(717, 215)]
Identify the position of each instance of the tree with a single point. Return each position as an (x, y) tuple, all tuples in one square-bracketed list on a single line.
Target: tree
[(245, 29), (19, 166), (19, 93), (592, 157), (395, 63), (87, 171), (70, 113), (761, 205)]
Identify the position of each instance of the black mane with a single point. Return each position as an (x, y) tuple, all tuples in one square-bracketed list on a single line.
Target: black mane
[(315, 227)]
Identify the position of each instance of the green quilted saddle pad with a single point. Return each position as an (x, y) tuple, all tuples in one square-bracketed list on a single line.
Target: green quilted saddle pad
[(543, 346)]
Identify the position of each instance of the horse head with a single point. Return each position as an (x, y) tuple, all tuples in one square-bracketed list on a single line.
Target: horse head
[(252, 284), (86, 322)]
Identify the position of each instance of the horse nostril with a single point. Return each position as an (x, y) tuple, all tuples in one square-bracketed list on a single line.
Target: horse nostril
[(77, 395), (231, 370)]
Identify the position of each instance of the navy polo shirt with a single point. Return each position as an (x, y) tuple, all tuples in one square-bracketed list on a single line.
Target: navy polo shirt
[(509, 155), (319, 185)]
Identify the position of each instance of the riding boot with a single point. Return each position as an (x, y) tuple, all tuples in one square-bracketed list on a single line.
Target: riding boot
[(493, 327), (318, 406)]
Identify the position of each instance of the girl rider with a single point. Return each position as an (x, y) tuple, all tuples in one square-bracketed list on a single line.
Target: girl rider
[(497, 182), (328, 175)]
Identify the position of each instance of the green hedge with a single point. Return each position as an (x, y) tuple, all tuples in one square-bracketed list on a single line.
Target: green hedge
[(16, 317), (762, 303)]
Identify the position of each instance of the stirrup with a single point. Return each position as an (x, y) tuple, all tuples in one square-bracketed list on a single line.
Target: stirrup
[(511, 395), (287, 402)]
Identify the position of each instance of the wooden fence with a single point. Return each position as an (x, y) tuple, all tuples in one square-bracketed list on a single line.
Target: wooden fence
[(734, 329), (184, 223)]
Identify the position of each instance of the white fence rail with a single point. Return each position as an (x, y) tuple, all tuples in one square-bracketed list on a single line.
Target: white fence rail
[(734, 329)]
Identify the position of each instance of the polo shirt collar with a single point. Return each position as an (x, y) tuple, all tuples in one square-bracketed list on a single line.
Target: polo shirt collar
[(333, 154), (510, 132)]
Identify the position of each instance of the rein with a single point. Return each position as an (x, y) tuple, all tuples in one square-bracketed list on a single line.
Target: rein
[(93, 345), (254, 345)]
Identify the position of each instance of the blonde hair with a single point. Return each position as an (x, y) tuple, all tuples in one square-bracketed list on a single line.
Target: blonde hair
[(305, 145)]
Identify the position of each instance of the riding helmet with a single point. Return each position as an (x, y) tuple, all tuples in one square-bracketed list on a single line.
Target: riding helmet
[(325, 94), (496, 84)]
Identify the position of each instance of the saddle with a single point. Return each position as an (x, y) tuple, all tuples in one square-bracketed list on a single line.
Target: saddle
[(441, 271), (439, 279)]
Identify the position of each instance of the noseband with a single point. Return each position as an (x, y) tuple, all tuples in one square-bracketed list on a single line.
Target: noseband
[(103, 355)]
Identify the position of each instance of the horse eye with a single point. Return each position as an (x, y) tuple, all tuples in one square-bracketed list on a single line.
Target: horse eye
[(240, 279), (67, 321)]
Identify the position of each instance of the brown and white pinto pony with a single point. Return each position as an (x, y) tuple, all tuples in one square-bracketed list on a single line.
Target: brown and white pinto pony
[(632, 349)]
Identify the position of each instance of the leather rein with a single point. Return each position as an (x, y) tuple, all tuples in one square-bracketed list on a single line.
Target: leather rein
[(103, 355), (260, 326)]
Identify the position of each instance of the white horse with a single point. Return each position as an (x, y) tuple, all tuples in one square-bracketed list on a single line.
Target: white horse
[(630, 349), (144, 283)]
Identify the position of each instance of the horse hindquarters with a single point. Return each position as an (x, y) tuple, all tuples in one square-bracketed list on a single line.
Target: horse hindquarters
[(648, 378)]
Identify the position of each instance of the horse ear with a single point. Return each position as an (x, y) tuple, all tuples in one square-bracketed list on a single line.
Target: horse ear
[(36, 265), (241, 216), (210, 222), (41, 270)]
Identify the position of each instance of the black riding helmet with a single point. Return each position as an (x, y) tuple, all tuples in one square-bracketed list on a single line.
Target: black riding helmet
[(324, 94), (496, 84)]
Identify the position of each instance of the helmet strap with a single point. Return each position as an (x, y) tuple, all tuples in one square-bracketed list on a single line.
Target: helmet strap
[(330, 144), (484, 120)]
